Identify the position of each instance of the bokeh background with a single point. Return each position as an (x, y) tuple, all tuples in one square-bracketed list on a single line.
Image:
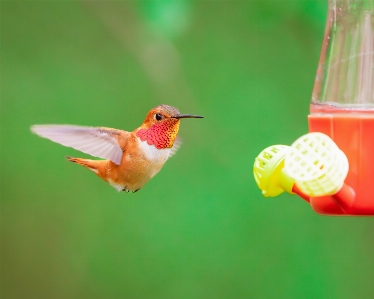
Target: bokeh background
[(200, 228)]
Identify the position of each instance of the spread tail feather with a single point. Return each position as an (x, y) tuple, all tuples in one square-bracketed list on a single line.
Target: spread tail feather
[(90, 164)]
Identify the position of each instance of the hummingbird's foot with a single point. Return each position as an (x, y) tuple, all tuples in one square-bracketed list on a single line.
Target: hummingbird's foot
[(136, 190), (126, 190)]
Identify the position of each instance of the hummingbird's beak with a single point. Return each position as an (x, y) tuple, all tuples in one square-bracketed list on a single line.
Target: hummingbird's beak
[(187, 116)]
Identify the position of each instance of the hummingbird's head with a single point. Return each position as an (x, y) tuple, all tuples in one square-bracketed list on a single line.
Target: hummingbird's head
[(161, 126)]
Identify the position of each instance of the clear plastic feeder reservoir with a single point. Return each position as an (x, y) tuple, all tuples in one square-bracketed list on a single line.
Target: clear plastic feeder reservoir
[(342, 105)]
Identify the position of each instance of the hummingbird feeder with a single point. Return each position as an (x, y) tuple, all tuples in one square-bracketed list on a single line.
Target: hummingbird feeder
[(332, 167)]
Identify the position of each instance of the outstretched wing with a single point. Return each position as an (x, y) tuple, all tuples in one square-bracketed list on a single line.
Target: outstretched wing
[(100, 142), (177, 144)]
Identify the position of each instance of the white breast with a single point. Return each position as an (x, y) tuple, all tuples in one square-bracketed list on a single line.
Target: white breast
[(157, 156)]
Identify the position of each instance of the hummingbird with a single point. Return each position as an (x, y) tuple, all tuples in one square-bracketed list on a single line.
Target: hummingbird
[(131, 159)]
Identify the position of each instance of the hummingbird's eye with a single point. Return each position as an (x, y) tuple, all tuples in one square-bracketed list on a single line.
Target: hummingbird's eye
[(158, 116)]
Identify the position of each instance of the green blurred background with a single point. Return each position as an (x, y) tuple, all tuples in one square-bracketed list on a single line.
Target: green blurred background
[(200, 228)]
